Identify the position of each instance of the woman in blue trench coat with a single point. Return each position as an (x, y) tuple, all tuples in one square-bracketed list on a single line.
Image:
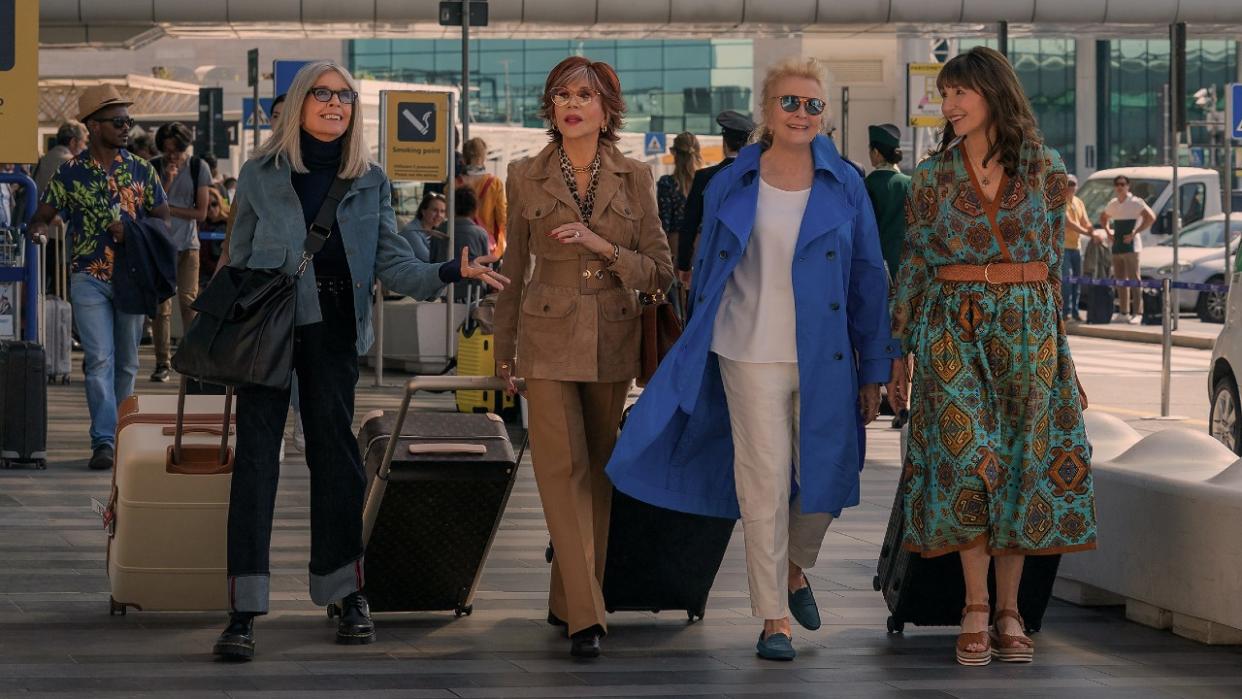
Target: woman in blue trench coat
[(789, 310)]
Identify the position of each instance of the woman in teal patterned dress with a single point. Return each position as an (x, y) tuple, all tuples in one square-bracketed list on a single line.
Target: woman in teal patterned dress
[(998, 462)]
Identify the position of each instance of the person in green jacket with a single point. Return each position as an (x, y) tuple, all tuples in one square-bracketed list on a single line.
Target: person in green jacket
[(888, 189)]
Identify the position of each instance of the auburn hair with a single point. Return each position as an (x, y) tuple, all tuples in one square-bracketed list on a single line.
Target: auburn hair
[(601, 77), (989, 73)]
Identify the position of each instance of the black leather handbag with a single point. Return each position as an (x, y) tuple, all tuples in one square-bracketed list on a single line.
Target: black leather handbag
[(243, 333)]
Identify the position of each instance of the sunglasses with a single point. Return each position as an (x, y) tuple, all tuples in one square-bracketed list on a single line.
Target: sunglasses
[(562, 97), (790, 103), (324, 94), (117, 122)]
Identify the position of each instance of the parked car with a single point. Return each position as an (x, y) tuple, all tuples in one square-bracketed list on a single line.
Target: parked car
[(1225, 411), (1200, 259), (1200, 196)]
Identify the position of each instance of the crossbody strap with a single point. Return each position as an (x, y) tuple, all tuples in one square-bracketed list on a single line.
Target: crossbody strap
[(321, 227)]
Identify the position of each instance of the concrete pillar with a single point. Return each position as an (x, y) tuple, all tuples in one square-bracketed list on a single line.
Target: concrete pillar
[(1085, 106)]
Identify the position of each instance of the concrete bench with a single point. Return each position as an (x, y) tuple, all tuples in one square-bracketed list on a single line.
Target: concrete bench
[(1169, 507)]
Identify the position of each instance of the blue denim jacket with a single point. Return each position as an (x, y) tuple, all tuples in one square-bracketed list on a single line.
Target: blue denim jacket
[(268, 233)]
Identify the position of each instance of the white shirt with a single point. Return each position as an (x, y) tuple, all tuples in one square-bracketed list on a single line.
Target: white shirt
[(755, 321), (1129, 210)]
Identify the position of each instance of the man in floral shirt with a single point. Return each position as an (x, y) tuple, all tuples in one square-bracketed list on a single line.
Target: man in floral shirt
[(96, 192)]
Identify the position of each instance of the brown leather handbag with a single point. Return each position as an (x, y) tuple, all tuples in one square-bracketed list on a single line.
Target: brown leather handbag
[(661, 329)]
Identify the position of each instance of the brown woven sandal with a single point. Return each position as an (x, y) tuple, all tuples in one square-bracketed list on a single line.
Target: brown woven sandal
[(965, 640), (1011, 649)]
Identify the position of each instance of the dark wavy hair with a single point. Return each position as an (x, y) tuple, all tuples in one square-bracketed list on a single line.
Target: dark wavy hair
[(601, 77), (989, 73)]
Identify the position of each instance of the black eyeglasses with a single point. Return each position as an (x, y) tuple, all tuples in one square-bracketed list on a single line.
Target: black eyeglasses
[(790, 103), (324, 94), (117, 122)]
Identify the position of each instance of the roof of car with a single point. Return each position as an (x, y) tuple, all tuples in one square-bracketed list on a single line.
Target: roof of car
[(1151, 172)]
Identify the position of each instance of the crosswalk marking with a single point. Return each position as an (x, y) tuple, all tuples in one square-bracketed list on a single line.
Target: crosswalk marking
[(1095, 357)]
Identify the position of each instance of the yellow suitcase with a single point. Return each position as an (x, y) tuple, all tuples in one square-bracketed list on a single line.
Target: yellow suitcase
[(476, 356)]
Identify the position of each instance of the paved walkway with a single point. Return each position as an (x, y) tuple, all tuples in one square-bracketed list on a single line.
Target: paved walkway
[(1190, 332), (56, 636)]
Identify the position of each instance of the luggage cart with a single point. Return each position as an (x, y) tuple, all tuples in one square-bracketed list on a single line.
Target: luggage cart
[(19, 263)]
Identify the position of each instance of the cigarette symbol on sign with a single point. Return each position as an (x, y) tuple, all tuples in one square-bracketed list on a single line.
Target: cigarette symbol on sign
[(416, 121)]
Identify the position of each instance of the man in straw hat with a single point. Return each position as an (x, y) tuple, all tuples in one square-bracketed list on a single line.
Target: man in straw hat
[(96, 192)]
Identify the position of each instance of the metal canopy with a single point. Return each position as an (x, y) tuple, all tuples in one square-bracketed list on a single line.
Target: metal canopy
[(135, 22), (58, 97)]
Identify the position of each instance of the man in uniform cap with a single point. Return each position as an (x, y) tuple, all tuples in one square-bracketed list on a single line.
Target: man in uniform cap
[(735, 129), (97, 192), (888, 188)]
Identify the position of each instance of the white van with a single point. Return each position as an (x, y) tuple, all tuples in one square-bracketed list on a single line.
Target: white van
[(1200, 195)]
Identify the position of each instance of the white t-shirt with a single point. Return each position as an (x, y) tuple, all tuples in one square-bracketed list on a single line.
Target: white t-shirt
[(756, 321), (1129, 210)]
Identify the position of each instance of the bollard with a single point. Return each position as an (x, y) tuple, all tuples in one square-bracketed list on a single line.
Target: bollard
[(378, 313), (1166, 359)]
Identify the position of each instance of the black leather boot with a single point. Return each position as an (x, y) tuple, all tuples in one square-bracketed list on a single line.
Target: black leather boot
[(356, 627), (585, 643), (237, 641)]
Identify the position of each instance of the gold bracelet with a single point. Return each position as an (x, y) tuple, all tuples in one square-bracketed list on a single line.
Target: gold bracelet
[(616, 254)]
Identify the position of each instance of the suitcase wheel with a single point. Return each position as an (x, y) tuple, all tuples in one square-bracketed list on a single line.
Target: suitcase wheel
[(115, 608), (875, 583), (895, 626), (463, 611), (695, 615), (333, 611)]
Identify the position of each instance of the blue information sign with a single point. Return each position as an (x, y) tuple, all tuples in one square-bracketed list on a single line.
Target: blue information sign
[(654, 142), (282, 75), (1233, 111)]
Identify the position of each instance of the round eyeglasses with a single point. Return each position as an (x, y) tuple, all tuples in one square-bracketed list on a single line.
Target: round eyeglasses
[(561, 97), (324, 94)]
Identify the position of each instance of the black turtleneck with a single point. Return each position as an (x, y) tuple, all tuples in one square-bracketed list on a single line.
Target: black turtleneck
[(322, 160)]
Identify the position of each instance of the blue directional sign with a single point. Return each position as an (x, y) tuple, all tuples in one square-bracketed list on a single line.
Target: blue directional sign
[(265, 113), (1233, 110), (654, 142), (282, 75)]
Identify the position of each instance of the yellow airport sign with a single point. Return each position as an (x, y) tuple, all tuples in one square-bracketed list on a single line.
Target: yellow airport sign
[(923, 106), (19, 81), (415, 133)]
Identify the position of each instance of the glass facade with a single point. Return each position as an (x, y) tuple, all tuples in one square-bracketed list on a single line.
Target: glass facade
[(1046, 69), (669, 86), (1131, 95)]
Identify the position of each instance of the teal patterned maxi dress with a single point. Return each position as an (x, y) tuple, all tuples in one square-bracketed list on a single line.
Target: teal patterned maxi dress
[(997, 450)]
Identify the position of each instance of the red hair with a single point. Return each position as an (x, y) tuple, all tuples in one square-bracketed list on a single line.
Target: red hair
[(601, 77)]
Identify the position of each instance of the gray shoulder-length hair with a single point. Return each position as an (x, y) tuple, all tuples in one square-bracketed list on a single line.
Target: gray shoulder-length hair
[(286, 136)]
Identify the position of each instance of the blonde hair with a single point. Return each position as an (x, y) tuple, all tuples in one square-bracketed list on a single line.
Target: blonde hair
[(475, 150), (286, 137), (686, 159), (792, 67)]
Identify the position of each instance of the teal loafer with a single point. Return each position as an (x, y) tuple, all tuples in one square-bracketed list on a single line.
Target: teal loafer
[(778, 646), (803, 608)]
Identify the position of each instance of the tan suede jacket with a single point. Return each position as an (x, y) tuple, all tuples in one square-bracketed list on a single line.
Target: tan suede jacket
[(568, 315)]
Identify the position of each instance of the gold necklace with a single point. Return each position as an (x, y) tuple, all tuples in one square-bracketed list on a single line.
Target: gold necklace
[(581, 170)]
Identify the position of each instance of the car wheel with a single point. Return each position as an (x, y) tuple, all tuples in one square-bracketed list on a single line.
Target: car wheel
[(1224, 422), (1212, 304)]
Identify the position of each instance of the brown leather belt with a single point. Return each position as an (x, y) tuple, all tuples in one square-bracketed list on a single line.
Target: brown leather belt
[(588, 274), (995, 273)]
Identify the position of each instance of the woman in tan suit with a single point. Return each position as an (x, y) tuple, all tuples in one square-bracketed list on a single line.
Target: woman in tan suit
[(588, 217)]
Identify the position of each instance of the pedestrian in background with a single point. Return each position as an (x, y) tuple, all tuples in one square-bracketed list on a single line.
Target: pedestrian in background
[(672, 189), (1125, 218), (186, 180), (70, 140), (735, 130), (98, 191), (466, 233), (998, 465), (280, 192), (587, 215), (419, 232), (782, 360), (492, 211), (1077, 225), (888, 188)]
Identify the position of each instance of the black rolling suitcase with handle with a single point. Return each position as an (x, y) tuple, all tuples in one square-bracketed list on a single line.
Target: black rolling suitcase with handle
[(23, 405), (435, 498), (932, 591), (1099, 304)]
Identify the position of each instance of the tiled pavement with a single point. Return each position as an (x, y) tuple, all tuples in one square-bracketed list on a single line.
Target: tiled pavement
[(56, 636)]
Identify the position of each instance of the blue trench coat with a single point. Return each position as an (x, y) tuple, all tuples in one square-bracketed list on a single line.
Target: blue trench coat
[(676, 450)]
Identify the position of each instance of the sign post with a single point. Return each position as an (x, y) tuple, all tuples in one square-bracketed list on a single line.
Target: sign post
[(416, 144), (252, 81), (19, 81)]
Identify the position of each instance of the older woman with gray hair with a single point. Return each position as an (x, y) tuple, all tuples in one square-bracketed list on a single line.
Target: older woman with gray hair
[(318, 142)]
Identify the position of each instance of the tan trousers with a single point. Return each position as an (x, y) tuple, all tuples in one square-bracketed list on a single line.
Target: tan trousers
[(764, 407), (1126, 266), (573, 428), (187, 291)]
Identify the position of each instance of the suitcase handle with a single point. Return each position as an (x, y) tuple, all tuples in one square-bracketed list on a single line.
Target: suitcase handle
[(414, 385), (175, 453), (195, 429), (448, 448)]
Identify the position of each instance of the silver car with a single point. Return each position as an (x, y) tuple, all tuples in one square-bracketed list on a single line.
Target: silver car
[(1201, 259)]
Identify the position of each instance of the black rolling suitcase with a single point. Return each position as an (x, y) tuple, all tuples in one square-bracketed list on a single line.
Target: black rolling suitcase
[(1153, 306), (932, 591), (661, 560), (23, 405), (434, 501), (1099, 304)]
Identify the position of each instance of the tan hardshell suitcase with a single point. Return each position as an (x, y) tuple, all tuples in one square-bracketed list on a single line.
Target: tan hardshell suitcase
[(167, 518)]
